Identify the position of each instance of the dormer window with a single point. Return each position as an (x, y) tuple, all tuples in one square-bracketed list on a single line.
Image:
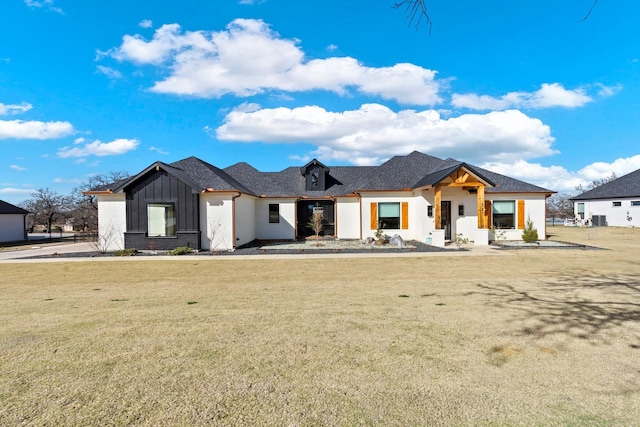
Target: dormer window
[(315, 174)]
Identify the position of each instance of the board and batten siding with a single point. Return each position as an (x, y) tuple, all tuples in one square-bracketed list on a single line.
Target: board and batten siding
[(160, 186)]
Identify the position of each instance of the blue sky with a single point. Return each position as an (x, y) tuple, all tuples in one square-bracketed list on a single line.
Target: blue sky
[(522, 88)]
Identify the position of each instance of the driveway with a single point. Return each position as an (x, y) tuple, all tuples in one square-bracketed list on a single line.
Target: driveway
[(36, 250)]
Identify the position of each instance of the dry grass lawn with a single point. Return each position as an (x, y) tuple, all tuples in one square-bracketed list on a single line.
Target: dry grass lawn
[(533, 337)]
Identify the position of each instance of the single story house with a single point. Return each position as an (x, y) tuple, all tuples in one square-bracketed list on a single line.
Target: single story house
[(420, 197), (13, 223), (616, 203)]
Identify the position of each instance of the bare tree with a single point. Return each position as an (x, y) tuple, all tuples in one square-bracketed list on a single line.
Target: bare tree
[(560, 205), (84, 212), (596, 183), (316, 223), (416, 11), (45, 207)]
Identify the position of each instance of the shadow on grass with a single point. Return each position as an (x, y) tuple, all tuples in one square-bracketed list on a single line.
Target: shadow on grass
[(584, 307)]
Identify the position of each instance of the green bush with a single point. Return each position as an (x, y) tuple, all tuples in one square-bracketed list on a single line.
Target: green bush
[(125, 252), (530, 234), (181, 250)]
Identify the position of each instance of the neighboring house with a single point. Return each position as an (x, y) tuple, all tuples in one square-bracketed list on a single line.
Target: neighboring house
[(420, 197), (616, 203), (13, 223)]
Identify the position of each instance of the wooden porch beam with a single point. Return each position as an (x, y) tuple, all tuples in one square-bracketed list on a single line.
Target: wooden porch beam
[(480, 204)]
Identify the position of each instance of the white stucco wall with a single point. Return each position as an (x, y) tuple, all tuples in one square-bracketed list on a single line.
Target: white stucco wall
[(282, 230), (216, 221), (534, 208), (112, 222), (367, 198), (617, 216), (12, 227), (245, 211), (348, 217)]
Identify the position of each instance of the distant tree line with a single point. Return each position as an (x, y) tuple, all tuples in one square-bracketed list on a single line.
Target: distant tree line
[(48, 208), (559, 205)]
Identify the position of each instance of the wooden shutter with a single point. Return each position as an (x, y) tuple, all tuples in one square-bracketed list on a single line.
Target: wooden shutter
[(374, 216), (487, 214), (404, 219), (520, 214)]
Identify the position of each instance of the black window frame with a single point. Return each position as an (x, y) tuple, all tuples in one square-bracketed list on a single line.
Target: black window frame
[(274, 213)]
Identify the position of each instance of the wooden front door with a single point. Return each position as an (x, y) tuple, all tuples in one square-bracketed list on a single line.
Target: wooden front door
[(445, 219)]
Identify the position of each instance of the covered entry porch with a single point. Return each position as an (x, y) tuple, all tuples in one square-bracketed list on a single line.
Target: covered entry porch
[(305, 209)]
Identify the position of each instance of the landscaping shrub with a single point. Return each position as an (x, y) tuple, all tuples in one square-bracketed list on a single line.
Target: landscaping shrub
[(530, 234), (125, 252), (181, 250)]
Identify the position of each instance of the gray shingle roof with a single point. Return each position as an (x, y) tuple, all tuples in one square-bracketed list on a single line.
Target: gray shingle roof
[(8, 208), (626, 186), (398, 173)]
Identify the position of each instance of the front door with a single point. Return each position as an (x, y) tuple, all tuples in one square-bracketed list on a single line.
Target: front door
[(445, 219)]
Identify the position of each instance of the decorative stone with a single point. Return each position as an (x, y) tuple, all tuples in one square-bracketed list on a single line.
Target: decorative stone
[(370, 240), (397, 241)]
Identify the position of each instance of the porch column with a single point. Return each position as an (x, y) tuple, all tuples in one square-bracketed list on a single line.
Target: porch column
[(437, 215), (480, 206)]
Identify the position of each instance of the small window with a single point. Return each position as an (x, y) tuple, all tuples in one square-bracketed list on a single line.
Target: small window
[(389, 216), (617, 204), (430, 211), (460, 210), (274, 213), (504, 214), (635, 203), (161, 220)]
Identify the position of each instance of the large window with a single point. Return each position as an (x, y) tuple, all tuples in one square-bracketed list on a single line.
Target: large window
[(389, 216), (274, 213), (504, 213), (581, 210), (161, 219)]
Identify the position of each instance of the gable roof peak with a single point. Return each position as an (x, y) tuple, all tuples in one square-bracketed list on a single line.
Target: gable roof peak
[(314, 162)]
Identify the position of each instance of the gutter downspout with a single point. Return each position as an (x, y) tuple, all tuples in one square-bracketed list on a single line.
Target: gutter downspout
[(360, 202), (233, 220)]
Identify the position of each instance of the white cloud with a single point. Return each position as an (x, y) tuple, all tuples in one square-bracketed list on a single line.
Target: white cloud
[(374, 132), (44, 4), (14, 108), (158, 150), (249, 58), (67, 180), (109, 72), (17, 168), (19, 129), (146, 23), (560, 179), (98, 148), (549, 95), (16, 193), (606, 91), (600, 170)]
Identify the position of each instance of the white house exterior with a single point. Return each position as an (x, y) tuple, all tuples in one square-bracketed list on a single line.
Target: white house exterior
[(419, 197), (616, 203), (13, 225)]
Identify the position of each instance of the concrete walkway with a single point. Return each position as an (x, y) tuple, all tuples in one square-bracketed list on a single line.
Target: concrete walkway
[(17, 256)]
